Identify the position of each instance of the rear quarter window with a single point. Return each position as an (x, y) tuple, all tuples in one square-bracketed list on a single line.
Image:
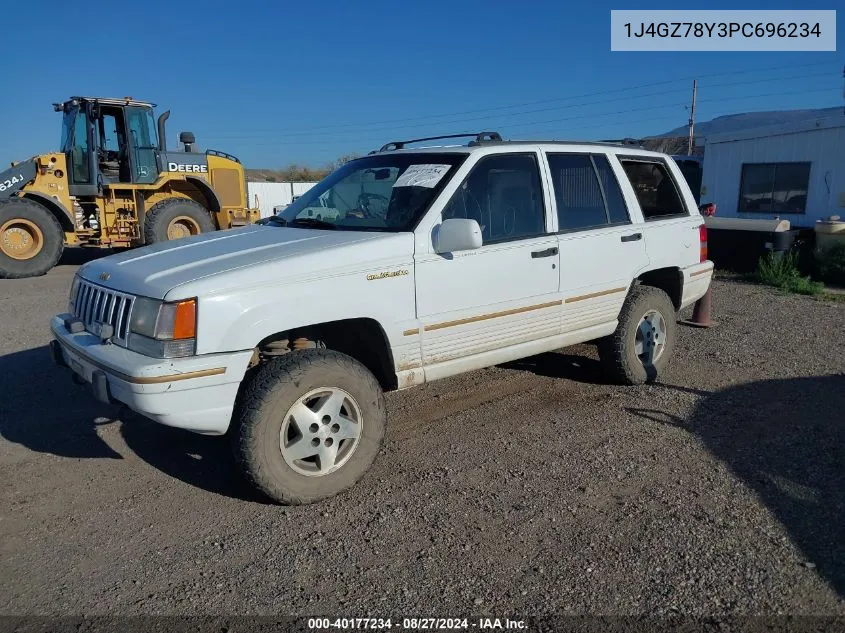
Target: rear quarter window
[(656, 189)]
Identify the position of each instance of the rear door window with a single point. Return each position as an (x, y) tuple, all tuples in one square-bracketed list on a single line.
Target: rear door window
[(655, 188), (586, 192)]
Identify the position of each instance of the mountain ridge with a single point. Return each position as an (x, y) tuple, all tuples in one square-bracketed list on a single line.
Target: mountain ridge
[(743, 121)]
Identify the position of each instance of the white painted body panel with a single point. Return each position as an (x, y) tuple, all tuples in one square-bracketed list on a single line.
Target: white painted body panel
[(203, 405), (675, 241), (259, 280), (494, 279), (697, 280), (441, 314)]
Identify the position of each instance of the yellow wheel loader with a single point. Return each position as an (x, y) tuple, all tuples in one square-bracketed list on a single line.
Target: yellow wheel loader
[(114, 184)]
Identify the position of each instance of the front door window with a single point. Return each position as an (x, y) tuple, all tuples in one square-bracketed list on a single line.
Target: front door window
[(504, 195), (75, 144)]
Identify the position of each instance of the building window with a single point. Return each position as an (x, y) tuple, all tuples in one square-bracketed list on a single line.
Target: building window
[(774, 187)]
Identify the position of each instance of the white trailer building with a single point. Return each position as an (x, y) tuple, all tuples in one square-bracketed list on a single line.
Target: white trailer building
[(275, 194), (792, 171)]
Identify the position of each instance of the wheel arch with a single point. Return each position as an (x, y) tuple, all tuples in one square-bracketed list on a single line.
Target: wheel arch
[(670, 280), (187, 188), (361, 338), (213, 203), (55, 207)]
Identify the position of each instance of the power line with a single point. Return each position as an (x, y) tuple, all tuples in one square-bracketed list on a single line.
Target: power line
[(375, 139), (304, 132), (545, 101), (718, 99), (380, 139), (332, 150)]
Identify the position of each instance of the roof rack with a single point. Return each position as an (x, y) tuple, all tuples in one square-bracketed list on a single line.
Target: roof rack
[(480, 137), (625, 142)]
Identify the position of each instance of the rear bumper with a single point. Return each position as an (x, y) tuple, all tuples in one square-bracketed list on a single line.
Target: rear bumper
[(196, 393), (697, 280)]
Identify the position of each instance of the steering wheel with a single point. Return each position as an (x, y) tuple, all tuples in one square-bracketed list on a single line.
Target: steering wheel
[(364, 200)]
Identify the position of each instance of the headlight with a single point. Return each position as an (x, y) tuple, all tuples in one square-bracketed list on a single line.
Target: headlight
[(74, 290), (163, 329), (145, 316)]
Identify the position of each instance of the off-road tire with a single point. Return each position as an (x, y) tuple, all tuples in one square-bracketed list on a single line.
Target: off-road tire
[(261, 408), (51, 234), (163, 213), (617, 353)]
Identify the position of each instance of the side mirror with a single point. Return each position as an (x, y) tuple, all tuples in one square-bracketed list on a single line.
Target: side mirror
[(457, 234)]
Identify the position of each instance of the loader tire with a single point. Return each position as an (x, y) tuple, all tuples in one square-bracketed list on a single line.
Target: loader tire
[(176, 218), (31, 239)]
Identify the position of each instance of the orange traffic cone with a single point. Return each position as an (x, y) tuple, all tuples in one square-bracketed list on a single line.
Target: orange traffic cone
[(701, 311)]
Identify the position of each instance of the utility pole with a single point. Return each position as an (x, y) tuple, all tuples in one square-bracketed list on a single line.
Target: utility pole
[(843, 89), (692, 118)]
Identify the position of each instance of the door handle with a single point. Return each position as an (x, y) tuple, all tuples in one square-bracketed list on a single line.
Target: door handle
[(633, 237), (546, 253)]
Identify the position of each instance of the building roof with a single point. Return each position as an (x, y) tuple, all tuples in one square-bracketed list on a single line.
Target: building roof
[(793, 127)]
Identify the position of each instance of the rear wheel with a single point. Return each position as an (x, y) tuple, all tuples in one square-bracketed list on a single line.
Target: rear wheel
[(175, 218), (31, 239), (641, 347)]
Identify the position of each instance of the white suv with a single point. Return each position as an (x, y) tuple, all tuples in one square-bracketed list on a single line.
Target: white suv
[(401, 267)]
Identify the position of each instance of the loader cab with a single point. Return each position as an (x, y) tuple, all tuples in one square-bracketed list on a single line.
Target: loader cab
[(108, 142)]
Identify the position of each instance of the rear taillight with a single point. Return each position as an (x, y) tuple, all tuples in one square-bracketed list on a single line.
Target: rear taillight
[(702, 241)]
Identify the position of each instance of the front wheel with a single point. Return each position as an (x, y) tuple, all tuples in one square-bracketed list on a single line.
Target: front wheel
[(31, 239), (308, 425), (641, 347), (175, 218)]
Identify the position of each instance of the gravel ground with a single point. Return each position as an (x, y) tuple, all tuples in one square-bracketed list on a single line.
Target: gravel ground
[(523, 490)]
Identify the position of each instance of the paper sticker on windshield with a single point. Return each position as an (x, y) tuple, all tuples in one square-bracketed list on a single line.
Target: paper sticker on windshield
[(421, 176)]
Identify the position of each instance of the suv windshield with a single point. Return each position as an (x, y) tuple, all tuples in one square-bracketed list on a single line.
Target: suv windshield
[(375, 193)]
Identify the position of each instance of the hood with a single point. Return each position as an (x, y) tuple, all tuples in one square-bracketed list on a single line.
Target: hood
[(155, 270)]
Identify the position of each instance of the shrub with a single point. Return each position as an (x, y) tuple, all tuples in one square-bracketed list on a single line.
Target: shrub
[(781, 271)]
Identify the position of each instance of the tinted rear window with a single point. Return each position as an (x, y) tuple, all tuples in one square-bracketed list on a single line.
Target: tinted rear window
[(656, 190)]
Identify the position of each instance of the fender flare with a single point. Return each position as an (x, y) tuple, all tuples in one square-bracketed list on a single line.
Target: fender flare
[(54, 206), (210, 195)]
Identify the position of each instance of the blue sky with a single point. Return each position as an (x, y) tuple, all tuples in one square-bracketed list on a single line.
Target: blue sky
[(305, 82)]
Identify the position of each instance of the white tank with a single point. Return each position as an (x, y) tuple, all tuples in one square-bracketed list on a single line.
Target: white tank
[(829, 232)]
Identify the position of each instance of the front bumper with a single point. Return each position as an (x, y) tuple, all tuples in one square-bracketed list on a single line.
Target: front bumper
[(196, 393)]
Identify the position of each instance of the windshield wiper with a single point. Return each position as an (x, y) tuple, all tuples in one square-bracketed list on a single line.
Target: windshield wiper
[(312, 222), (273, 219)]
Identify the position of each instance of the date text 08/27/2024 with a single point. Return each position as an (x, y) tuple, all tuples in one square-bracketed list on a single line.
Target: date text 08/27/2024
[(417, 624)]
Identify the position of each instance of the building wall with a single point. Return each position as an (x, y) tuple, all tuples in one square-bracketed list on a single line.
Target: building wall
[(272, 194), (824, 148)]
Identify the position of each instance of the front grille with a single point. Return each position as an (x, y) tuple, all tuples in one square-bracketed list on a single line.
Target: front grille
[(95, 304)]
